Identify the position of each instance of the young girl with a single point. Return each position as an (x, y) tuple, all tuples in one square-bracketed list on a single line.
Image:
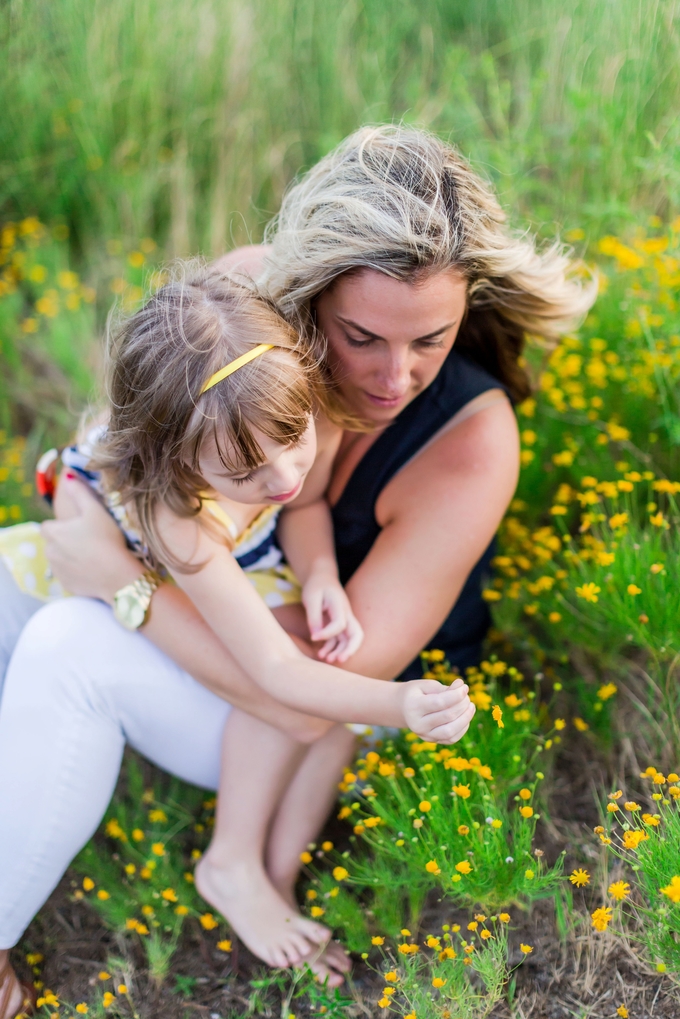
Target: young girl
[(211, 437)]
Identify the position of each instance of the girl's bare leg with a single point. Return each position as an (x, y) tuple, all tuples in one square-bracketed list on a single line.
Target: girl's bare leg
[(306, 805), (11, 994), (302, 813), (258, 762)]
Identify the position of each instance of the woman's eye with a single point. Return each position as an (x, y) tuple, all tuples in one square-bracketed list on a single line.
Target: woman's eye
[(242, 481), (357, 343)]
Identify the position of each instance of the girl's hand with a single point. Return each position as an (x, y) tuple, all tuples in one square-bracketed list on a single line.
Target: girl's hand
[(436, 713), (330, 618)]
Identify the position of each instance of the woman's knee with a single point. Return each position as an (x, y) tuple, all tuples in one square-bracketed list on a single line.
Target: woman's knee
[(75, 624), (64, 651)]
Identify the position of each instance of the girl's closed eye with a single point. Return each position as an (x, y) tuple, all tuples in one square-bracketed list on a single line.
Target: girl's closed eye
[(243, 480)]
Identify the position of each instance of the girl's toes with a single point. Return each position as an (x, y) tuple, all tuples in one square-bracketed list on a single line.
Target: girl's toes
[(315, 931), (336, 956), (278, 959)]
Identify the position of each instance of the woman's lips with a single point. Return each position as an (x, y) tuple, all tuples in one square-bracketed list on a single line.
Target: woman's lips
[(384, 401), (285, 496)]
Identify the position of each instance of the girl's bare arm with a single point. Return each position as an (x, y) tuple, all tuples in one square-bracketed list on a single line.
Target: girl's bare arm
[(231, 607)]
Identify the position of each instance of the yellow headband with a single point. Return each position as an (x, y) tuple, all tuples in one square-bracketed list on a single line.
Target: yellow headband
[(233, 366)]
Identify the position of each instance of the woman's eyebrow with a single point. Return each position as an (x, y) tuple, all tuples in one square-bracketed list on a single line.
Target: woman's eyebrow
[(375, 336)]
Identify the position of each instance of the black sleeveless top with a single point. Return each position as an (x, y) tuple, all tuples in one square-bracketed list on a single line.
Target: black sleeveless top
[(459, 381)]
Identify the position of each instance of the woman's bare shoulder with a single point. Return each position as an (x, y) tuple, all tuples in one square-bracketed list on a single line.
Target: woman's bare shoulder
[(480, 447), (247, 260)]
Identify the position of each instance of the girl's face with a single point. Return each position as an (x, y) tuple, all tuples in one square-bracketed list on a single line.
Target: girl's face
[(387, 339), (277, 481)]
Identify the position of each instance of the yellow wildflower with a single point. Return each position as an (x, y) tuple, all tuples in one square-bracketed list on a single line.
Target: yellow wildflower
[(601, 918), (619, 890), (497, 715), (525, 949), (432, 868), (632, 839), (526, 811), (579, 877), (340, 874), (377, 941), (464, 867), (672, 890), (208, 922), (462, 790), (588, 592), (224, 945)]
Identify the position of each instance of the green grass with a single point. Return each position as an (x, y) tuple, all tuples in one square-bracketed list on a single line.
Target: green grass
[(185, 120)]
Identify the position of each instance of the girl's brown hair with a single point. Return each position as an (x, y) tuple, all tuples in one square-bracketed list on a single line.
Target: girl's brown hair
[(160, 358), (401, 201)]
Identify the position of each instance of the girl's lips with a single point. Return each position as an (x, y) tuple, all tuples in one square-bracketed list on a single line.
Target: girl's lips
[(287, 495)]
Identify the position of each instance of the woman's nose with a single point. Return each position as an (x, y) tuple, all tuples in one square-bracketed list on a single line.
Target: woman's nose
[(398, 373)]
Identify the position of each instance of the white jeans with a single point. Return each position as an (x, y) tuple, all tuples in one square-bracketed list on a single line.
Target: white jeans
[(78, 686)]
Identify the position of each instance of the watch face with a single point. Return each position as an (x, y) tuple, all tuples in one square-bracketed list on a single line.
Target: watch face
[(128, 610)]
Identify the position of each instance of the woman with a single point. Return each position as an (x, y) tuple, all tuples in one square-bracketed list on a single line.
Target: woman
[(389, 250)]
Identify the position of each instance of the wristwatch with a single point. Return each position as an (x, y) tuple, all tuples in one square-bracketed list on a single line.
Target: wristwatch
[(131, 603)]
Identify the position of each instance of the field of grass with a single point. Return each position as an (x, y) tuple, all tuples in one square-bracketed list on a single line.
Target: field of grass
[(533, 870)]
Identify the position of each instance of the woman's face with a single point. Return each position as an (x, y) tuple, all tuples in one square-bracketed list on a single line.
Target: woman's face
[(388, 339), (278, 480)]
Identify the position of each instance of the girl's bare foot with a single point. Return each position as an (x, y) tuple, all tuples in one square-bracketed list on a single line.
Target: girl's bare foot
[(330, 963), (272, 930), (12, 995)]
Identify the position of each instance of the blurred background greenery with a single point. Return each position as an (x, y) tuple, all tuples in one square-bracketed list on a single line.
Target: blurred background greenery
[(135, 130), (185, 120)]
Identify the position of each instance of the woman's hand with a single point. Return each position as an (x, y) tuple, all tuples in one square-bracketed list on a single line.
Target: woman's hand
[(87, 550)]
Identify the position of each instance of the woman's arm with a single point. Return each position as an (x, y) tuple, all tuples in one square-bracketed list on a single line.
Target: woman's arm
[(88, 554), (438, 516)]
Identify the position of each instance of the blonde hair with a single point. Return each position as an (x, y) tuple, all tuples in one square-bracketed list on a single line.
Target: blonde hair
[(401, 201), (158, 362)]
